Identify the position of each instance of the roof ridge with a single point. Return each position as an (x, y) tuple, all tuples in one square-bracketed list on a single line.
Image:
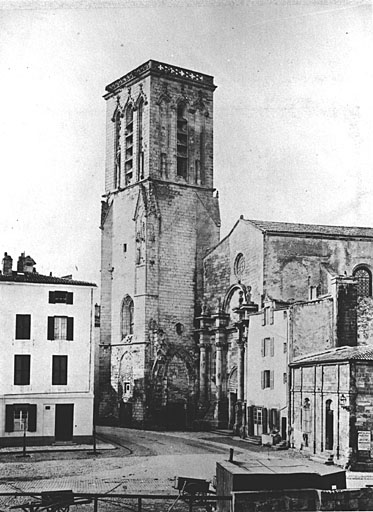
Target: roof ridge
[(35, 277), (277, 222)]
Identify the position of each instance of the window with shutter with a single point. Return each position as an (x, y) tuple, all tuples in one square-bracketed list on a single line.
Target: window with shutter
[(32, 418), (267, 347), (272, 379), (22, 370), (250, 420), (9, 418), (266, 379), (70, 328), (272, 347), (274, 419), (23, 327), (59, 370), (60, 328), (50, 327), (20, 417), (60, 297), (264, 317), (265, 420)]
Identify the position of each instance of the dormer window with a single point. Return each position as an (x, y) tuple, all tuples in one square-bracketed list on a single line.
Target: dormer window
[(182, 141)]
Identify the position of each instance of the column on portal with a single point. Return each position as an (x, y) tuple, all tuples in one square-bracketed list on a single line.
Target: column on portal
[(219, 369), (241, 369), (220, 343), (244, 311), (221, 407), (204, 335), (202, 371)]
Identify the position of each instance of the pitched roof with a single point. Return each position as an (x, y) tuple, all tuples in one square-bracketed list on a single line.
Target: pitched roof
[(34, 277), (360, 353), (318, 230)]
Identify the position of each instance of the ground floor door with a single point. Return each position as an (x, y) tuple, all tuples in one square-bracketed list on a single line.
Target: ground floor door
[(125, 414), (175, 415), (232, 400), (283, 429), (64, 422), (258, 421)]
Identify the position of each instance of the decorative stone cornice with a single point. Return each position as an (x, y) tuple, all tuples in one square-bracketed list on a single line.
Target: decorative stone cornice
[(153, 67)]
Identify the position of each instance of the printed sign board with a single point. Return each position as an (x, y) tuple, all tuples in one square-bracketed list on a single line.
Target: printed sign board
[(363, 440)]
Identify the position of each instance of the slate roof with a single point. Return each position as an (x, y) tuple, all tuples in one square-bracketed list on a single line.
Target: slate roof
[(311, 229), (34, 277), (361, 353)]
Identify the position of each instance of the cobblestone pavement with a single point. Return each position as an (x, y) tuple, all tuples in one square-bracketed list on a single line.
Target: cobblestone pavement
[(142, 462)]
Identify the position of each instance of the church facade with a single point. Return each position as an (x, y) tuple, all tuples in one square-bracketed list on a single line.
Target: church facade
[(285, 337), (266, 332)]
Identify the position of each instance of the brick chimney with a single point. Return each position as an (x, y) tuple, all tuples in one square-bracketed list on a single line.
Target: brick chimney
[(25, 264), (7, 264)]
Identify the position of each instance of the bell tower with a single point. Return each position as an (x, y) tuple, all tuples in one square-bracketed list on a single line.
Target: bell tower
[(160, 215)]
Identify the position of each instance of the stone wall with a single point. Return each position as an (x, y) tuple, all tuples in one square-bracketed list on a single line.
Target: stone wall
[(165, 94), (365, 321), (292, 263), (312, 387), (312, 327)]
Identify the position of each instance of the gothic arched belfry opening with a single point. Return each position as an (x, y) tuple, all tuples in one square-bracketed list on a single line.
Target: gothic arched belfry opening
[(160, 215)]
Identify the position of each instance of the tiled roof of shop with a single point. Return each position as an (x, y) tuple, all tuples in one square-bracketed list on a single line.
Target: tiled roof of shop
[(34, 277), (311, 229), (361, 353)]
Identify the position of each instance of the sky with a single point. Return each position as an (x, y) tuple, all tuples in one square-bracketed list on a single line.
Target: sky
[(293, 112)]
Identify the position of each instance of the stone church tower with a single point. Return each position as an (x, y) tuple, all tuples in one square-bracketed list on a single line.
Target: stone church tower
[(160, 215)]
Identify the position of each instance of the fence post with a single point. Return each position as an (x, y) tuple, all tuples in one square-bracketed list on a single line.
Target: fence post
[(139, 504), (95, 505), (190, 503)]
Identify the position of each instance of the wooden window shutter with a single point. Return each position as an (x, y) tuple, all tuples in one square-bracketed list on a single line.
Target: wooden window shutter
[(263, 383), (52, 299), (250, 420), (265, 420), (272, 347), (63, 369), (50, 328), (263, 348), (23, 327), (69, 298), (272, 378), (272, 315), (264, 317), (70, 328), (9, 418), (32, 418), (276, 419), (270, 420)]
